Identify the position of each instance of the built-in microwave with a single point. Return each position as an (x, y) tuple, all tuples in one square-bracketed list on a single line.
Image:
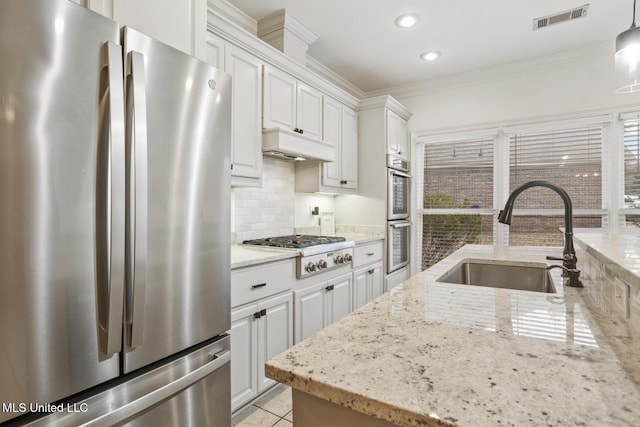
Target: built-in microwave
[(398, 239)]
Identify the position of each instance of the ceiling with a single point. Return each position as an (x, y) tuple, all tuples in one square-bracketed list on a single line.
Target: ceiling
[(359, 41)]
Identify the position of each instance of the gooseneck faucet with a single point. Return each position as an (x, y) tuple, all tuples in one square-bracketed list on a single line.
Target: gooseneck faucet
[(569, 259)]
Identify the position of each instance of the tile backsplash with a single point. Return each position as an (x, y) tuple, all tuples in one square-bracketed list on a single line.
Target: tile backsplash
[(268, 210)]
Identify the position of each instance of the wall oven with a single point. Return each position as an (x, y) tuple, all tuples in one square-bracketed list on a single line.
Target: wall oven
[(398, 189), (398, 235)]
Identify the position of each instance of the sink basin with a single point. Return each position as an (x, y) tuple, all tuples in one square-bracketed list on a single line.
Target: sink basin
[(523, 276)]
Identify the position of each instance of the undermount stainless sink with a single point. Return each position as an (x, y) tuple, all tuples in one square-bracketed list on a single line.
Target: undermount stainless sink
[(524, 276)]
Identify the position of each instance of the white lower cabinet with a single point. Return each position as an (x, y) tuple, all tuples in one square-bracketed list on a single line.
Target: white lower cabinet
[(321, 304), (367, 284), (259, 331)]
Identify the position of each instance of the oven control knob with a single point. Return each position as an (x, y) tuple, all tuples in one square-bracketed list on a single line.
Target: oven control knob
[(347, 257), (322, 264), (311, 267), (339, 259)]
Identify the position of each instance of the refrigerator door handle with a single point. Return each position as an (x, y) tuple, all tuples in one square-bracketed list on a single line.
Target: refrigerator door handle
[(137, 198), (130, 410), (112, 237)]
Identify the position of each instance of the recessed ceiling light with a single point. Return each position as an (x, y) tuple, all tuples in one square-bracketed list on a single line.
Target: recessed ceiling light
[(430, 56), (407, 20)]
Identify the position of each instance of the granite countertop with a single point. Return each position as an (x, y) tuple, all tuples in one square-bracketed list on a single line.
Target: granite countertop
[(621, 252), (245, 256), (431, 353)]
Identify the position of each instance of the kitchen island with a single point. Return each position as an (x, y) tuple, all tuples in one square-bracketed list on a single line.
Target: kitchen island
[(429, 353)]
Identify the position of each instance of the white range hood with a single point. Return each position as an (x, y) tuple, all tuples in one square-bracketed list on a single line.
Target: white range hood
[(291, 145)]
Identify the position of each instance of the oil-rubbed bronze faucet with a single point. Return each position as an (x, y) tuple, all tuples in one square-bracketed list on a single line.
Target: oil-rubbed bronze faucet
[(569, 259)]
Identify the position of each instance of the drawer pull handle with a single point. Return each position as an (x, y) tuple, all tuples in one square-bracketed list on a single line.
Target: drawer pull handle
[(259, 285), (371, 271), (371, 253), (329, 288)]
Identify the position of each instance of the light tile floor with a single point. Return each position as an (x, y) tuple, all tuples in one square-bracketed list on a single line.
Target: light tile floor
[(272, 409)]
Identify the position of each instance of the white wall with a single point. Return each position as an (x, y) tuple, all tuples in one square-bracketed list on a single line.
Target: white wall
[(543, 88), (178, 23), (268, 210), (304, 202)]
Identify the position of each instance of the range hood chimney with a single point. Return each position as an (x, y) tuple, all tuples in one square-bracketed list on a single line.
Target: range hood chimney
[(290, 145)]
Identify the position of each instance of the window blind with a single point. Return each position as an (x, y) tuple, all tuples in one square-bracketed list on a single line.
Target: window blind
[(569, 158), (632, 164)]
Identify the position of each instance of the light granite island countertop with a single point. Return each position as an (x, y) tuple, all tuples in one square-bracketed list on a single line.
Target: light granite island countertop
[(429, 353)]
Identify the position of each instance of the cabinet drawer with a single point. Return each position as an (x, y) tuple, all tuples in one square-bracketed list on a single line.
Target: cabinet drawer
[(259, 281), (366, 254)]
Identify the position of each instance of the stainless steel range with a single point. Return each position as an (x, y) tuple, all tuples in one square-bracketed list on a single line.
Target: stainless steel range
[(317, 253)]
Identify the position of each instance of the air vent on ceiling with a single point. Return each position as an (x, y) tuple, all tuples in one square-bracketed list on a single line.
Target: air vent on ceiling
[(556, 18)]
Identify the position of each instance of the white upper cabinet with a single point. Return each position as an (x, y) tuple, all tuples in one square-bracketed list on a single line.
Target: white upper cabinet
[(340, 129), (246, 115), (290, 104), (246, 130), (309, 111), (332, 171), (280, 99), (349, 149), (215, 51), (397, 135)]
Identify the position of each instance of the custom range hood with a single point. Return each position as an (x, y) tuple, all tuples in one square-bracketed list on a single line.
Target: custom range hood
[(287, 144)]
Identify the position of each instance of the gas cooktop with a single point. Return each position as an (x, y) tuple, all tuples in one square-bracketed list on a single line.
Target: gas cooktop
[(295, 241), (317, 254)]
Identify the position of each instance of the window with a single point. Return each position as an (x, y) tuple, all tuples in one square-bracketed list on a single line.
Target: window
[(455, 209), (568, 158), (466, 178), (632, 171)]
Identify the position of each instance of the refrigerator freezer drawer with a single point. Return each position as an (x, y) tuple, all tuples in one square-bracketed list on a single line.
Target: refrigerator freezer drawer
[(193, 390)]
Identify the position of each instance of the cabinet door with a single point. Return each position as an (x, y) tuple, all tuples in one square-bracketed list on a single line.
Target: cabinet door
[(244, 347), (309, 118), (332, 171), (402, 139), (338, 298), (309, 311), (360, 287), (275, 332), (279, 101), (375, 277), (215, 50), (349, 137), (393, 123), (246, 115)]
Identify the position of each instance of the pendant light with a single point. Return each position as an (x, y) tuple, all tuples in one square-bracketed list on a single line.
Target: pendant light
[(628, 58)]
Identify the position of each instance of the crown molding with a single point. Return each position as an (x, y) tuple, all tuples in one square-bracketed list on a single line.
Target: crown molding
[(335, 78), (386, 101), (283, 20), (235, 15), (232, 32)]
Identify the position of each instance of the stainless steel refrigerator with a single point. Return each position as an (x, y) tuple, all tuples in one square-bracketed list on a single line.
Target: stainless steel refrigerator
[(114, 224)]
